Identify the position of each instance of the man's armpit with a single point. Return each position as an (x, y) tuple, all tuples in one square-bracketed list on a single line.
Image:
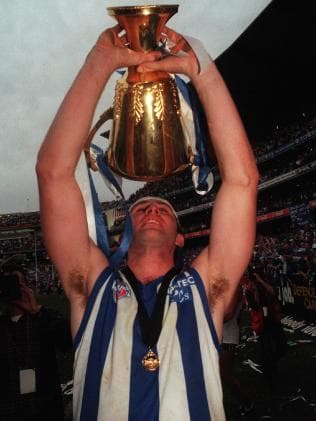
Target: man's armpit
[(77, 283), (217, 289)]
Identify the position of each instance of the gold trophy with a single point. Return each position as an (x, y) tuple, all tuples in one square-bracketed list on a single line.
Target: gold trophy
[(148, 140)]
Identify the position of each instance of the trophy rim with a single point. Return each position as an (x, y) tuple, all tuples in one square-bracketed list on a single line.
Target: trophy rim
[(143, 10)]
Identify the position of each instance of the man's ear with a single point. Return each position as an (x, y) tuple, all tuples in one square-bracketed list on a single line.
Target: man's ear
[(180, 240)]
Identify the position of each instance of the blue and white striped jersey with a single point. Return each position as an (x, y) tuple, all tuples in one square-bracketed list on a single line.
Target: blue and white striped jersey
[(110, 383)]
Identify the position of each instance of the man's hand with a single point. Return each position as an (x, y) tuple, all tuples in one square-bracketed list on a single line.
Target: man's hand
[(181, 58), (113, 44)]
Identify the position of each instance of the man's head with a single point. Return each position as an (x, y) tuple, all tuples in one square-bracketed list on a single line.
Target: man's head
[(151, 213)]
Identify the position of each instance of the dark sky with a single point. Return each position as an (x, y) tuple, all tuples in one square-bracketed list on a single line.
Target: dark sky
[(271, 68)]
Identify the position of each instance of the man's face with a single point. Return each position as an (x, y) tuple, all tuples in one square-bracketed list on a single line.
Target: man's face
[(153, 215), (155, 225)]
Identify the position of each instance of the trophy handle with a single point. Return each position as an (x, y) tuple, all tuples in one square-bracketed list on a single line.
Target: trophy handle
[(104, 117)]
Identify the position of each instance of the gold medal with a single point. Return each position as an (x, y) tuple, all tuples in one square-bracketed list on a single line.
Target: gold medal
[(151, 361)]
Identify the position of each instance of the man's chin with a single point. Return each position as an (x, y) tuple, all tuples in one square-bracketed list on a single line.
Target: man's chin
[(152, 233), (151, 226)]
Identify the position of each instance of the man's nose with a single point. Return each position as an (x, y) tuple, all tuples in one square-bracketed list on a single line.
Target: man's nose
[(152, 208)]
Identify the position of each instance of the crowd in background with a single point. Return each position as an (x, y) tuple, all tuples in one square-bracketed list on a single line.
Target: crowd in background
[(290, 251), (19, 219), (281, 136), (291, 254)]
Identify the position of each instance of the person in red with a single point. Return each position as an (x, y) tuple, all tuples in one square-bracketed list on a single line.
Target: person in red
[(230, 340), (265, 315)]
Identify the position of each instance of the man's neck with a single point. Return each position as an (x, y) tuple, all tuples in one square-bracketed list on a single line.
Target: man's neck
[(149, 266)]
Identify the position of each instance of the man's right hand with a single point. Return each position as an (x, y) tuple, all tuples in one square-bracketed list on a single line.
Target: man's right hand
[(115, 46)]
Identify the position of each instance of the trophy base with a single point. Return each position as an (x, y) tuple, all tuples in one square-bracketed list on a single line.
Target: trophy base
[(147, 177)]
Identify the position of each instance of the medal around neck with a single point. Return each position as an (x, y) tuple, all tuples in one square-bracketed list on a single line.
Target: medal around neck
[(150, 326), (151, 361)]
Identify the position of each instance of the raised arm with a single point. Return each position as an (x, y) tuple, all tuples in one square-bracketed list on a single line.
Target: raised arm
[(232, 233), (63, 215)]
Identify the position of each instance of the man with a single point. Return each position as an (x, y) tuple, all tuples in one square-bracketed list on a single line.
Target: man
[(230, 340), (265, 315), (30, 334), (110, 381)]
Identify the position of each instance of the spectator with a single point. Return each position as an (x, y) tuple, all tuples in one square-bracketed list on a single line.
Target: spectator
[(266, 323), (227, 355), (29, 381)]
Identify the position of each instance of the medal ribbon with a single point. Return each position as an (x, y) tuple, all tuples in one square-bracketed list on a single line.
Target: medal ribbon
[(150, 326)]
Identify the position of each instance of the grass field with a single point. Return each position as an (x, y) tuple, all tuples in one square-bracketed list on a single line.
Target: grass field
[(296, 400)]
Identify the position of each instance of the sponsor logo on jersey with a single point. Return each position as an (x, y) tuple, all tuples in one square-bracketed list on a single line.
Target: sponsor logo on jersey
[(120, 289), (180, 289)]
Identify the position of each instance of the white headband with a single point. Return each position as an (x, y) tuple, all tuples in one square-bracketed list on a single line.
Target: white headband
[(155, 199)]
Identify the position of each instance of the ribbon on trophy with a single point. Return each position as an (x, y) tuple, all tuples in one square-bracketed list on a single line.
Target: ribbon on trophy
[(96, 223), (194, 121)]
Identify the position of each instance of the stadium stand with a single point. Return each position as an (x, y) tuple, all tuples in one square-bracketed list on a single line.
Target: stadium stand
[(286, 219)]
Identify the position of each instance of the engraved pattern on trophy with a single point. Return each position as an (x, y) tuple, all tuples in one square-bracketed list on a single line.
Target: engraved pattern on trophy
[(137, 109), (158, 103), (120, 88)]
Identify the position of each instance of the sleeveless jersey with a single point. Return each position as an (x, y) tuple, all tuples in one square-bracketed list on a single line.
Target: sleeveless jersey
[(110, 383)]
